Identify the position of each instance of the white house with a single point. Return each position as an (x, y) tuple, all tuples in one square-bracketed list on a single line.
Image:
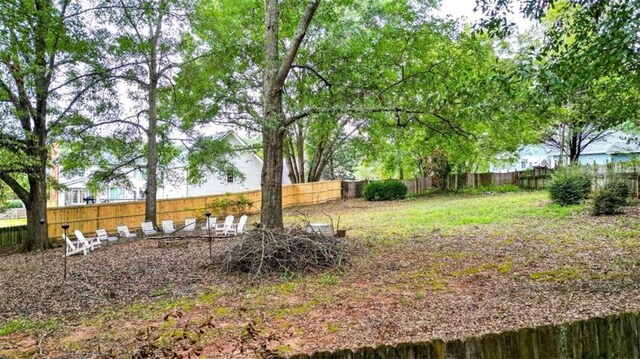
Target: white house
[(614, 147), (245, 160)]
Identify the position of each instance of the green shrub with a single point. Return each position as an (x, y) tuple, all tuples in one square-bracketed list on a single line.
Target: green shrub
[(609, 200), (385, 190), (224, 206), (12, 204), (619, 188), (569, 185)]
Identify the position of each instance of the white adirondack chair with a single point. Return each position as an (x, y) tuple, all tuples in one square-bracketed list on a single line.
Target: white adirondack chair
[(212, 224), (123, 231), (91, 242), (104, 236), (167, 226), (74, 247), (238, 228), (225, 227), (189, 225), (147, 229)]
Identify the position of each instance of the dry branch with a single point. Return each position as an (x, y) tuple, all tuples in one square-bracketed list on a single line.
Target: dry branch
[(265, 251)]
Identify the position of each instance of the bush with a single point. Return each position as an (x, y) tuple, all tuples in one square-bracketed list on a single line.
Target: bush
[(385, 190), (609, 200), (13, 204), (569, 186), (619, 188), (224, 206)]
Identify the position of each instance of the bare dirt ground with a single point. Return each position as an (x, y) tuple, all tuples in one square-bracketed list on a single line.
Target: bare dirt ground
[(428, 268)]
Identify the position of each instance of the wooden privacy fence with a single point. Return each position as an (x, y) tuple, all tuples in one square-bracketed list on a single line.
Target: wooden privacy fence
[(353, 189), (88, 218), (12, 236)]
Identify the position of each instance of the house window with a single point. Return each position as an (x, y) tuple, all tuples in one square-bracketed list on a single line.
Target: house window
[(74, 196), (229, 177), (523, 164), (116, 193), (591, 160)]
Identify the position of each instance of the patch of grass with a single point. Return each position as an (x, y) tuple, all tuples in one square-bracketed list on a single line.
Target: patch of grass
[(11, 222), (503, 268), (560, 274), (333, 327), (20, 324), (284, 350), (329, 280), (222, 311), (429, 278), (447, 214)]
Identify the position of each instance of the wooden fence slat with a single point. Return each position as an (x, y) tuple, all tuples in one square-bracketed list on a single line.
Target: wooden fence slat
[(88, 218)]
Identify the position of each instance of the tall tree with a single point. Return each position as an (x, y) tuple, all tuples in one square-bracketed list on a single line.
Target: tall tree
[(48, 68), (274, 123), (350, 72)]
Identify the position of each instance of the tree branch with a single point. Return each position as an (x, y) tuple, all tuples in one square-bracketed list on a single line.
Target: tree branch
[(301, 31), (22, 193)]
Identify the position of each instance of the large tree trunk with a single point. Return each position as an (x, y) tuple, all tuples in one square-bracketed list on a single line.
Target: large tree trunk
[(271, 208), (150, 210), (274, 122), (37, 236)]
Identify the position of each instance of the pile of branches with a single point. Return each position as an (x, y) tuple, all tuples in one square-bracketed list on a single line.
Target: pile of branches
[(263, 251)]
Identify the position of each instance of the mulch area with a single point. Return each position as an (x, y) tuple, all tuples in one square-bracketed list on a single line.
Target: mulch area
[(481, 280), (114, 275)]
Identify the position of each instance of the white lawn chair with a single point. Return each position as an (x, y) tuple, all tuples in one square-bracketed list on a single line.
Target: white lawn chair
[(167, 226), (104, 236), (212, 224), (238, 228), (74, 247), (147, 229), (226, 227), (189, 225), (91, 242), (123, 231)]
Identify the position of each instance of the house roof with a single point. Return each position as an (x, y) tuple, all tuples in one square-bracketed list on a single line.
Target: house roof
[(239, 139)]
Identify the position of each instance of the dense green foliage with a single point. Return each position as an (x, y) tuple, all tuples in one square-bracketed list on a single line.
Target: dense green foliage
[(224, 206), (569, 185), (385, 190), (611, 198)]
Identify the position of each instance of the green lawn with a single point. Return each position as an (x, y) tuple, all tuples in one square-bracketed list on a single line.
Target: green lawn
[(12, 222), (448, 214), (440, 267)]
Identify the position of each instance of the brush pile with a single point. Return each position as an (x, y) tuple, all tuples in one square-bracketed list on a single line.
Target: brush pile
[(263, 251)]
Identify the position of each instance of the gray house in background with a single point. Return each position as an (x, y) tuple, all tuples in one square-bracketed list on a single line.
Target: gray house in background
[(613, 148)]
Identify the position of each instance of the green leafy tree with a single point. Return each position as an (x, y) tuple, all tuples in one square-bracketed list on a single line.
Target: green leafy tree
[(141, 134), (48, 72)]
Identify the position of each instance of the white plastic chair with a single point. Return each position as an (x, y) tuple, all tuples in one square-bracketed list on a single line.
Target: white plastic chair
[(167, 226), (123, 231), (91, 242), (238, 228), (226, 227), (74, 247), (104, 236), (147, 229), (189, 225), (212, 224)]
